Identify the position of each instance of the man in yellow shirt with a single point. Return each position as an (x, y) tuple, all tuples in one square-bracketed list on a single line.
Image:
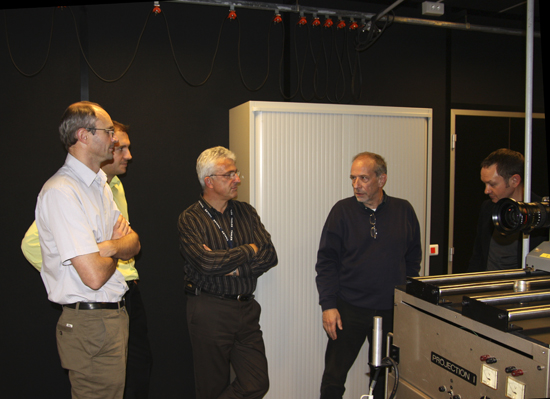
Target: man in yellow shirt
[(138, 368)]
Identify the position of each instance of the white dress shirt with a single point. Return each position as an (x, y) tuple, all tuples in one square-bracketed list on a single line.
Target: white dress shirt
[(74, 212)]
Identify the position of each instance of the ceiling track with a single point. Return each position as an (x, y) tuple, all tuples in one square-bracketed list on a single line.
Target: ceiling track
[(356, 15)]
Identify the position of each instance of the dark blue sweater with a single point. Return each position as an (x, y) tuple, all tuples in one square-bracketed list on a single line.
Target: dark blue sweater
[(359, 269)]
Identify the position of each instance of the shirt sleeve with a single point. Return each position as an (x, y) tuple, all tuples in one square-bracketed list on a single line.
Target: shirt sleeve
[(413, 256), (62, 219), (266, 257), (328, 261), (30, 245)]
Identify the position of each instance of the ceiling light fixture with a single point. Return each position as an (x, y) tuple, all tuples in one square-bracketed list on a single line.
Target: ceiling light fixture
[(435, 9)]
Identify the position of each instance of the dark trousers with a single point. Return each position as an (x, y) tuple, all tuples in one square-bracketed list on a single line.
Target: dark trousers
[(140, 360), (227, 332), (341, 353)]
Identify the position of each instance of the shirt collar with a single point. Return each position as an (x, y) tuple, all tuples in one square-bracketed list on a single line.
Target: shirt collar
[(213, 210), (114, 181), (384, 198), (85, 174)]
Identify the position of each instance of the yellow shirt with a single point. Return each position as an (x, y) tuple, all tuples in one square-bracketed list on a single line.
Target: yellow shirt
[(31, 244)]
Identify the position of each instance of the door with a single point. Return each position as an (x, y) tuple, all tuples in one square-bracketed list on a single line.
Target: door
[(477, 134)]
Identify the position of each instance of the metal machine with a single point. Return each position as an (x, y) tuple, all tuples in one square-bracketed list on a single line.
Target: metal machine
[(477, 335), (474, 335)]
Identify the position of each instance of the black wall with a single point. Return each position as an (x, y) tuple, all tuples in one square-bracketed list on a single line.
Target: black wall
[(172, 122)]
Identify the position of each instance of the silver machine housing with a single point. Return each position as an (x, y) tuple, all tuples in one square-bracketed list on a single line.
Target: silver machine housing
[(474, 335)]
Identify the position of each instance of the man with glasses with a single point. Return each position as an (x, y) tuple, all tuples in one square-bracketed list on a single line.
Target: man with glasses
[(139, 363), (226, 248), (82, 236), (369, 244)]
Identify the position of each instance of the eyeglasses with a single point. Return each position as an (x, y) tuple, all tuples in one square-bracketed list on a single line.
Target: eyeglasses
[(231, 175), (110, 131), (373, 231)]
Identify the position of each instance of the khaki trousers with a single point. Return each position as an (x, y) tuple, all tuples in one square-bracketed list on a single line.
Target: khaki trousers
[(93, 346)]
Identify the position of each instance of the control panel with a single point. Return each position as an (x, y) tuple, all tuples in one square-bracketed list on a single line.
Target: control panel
[(443, 354)]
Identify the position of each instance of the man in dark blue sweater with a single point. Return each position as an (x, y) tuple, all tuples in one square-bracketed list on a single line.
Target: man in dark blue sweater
[(369, 244)]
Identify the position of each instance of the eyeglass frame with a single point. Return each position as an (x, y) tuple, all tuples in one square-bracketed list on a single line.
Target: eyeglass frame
[(228, 175), (110, 131), (373, 230)]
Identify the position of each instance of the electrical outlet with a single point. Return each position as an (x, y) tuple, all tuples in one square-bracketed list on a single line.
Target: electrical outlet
[(432, 8)]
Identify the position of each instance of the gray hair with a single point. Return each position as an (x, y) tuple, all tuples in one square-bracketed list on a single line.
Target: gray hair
[(381, 166), (78, 115), (206, 162)]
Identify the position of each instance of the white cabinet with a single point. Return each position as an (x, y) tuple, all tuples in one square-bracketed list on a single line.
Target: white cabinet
[(296, 159)]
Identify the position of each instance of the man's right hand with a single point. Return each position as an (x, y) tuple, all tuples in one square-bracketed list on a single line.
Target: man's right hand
[(121, 228), (331, 321), (124, 243)]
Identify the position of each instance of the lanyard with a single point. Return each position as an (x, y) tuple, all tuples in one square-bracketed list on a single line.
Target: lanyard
[(230, 239)]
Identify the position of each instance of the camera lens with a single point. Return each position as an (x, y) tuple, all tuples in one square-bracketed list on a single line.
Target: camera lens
[(510, 216)]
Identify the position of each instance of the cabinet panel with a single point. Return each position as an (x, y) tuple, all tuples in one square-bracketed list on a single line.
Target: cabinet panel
[(296, 159)]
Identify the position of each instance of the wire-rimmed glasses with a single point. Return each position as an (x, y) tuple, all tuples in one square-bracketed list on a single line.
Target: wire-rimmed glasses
[(231, 175), (373, 231)]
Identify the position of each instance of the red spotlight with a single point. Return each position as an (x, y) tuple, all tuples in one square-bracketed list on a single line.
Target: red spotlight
[(156, 8)]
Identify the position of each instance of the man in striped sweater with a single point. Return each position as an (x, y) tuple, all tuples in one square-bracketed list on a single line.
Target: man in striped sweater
[(226, 248)]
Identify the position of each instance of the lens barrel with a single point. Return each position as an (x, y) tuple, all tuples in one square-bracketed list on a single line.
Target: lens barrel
[(511, 216)]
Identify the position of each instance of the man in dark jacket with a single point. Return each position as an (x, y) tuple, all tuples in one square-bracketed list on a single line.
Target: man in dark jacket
[(502, 174)]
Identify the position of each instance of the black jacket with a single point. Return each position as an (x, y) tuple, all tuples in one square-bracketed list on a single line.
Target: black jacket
[(485, 227)]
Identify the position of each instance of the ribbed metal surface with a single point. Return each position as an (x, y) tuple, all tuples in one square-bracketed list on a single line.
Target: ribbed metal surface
[(299, 167)]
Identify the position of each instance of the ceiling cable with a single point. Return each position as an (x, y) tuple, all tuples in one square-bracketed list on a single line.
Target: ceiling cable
[(29, 75), (131, 61)]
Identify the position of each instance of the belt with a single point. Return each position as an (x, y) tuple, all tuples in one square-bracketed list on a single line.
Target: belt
[(95, 305), (240, 297), (192, 289)]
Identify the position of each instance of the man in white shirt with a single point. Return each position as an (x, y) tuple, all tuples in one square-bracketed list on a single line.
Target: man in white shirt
[(82, 236)]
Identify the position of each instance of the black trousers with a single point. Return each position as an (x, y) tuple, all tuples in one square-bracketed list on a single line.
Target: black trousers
[(341, 353), (140, 359), (227, 332)]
